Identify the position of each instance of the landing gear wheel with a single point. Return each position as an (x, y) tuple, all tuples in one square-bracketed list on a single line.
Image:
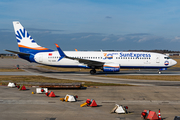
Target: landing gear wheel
[(92, 72)]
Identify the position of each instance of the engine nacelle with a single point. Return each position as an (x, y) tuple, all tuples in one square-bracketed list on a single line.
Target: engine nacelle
[(110, 67)]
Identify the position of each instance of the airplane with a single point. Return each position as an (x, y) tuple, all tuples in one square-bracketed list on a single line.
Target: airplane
[(106, 61)]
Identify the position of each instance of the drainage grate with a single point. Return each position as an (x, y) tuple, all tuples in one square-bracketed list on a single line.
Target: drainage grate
[(51, 102)]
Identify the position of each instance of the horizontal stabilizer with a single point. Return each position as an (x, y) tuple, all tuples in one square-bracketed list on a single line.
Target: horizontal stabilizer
[(19, 53)]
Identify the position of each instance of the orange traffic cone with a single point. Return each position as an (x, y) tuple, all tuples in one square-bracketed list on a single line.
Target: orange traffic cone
[(52, 94), (47, 94), (93, 104), (159, 115)]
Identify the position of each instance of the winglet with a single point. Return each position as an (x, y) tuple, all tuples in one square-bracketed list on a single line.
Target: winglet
[(61, 53)]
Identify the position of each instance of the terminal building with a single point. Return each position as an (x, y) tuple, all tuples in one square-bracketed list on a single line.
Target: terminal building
[(172, 54)]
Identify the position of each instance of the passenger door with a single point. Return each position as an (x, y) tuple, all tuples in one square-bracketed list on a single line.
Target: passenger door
[(157, 59)]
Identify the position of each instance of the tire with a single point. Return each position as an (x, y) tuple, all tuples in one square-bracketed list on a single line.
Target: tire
[(92, 72)]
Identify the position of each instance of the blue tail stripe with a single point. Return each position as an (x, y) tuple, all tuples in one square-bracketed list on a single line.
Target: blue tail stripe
[(23, 32), (18, 41), (19, 36)]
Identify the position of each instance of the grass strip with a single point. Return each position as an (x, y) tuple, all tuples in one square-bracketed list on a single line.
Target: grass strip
[(11, 70), (17, 79)]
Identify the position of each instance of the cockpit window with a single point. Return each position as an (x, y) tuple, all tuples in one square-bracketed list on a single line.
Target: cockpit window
[(167, 58)]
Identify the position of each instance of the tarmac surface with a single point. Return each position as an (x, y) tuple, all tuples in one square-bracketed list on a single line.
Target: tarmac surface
[(147, 94), (22, 105)]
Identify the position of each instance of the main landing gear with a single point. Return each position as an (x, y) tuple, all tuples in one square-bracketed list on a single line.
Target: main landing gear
[(93, 71)]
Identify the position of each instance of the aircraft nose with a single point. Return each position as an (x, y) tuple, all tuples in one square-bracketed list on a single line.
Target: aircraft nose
[(174, 62)]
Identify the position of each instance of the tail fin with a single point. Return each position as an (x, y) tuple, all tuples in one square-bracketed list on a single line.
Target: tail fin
[(25, 42)]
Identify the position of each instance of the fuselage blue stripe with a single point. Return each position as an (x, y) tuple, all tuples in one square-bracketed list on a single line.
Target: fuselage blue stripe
[(135, 67)]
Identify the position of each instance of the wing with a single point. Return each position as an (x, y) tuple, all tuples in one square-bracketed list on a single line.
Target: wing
[(88, 62)]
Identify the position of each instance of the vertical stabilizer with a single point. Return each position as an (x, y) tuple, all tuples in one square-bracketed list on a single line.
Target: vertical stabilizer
[(25, 42)]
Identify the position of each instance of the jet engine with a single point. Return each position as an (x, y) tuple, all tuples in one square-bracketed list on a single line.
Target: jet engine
[(111, 67)]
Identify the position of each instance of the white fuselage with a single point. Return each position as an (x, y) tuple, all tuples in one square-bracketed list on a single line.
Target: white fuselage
[(124, 59)]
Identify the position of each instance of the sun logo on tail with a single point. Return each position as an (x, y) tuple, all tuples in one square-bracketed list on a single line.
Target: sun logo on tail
[(22, 35)]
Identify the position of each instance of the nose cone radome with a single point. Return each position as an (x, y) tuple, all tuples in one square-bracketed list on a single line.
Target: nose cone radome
[(174, 62)]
